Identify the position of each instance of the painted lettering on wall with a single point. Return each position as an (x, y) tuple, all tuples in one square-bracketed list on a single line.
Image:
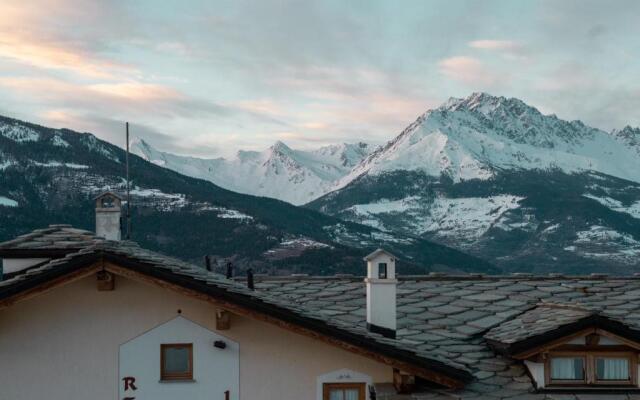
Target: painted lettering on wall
[(129, 384)]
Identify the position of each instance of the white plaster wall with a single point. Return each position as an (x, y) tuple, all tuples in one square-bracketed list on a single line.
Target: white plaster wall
[(64, 345), (381, 302), (108, 224), (381, 293), (537, 372), (605, 341), (342, 376), (18, 264), (214, 370), (372, 266)]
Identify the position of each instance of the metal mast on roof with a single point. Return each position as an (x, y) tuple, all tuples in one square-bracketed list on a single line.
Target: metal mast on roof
[(128, 235)]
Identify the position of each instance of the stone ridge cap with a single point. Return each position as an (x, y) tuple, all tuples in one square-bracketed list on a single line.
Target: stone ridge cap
[(566, 306), (446, 277)]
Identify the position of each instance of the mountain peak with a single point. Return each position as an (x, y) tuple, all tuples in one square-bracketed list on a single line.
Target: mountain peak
[(488, 104), (628, 131), (280, 147)]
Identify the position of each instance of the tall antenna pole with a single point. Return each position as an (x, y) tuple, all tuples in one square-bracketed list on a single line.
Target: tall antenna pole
[(128, 236)]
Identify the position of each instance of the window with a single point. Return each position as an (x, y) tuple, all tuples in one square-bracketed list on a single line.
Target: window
[(382, 270), (612, 369), (595, 367), (176, 362), (343, 391), (107, 202), (569, 369)]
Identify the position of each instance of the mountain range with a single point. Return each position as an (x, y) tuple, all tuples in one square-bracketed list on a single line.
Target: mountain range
[(294, 176), (488, 175), (50, 176), (496, 178)]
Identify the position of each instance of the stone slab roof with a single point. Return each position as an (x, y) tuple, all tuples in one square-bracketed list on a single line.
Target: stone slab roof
[(55, 238), (447, 320), (449, 316), (129, 252), (538, 321)]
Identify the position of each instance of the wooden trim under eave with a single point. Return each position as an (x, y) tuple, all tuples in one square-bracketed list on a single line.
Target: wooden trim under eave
[(51, 284), (428, 374), (552, 344), (563, 340)]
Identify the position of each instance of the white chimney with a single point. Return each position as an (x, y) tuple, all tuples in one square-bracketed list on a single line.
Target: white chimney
[(381, 293), (108, 211)]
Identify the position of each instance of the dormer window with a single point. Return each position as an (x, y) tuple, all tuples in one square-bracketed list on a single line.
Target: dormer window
[(382, 270), (566, 346), (613, 369), (597, 367), (567, 370)]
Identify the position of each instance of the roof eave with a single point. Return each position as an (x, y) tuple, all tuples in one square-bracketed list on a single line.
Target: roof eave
[(428, 368), (458, 376), (524, 348)]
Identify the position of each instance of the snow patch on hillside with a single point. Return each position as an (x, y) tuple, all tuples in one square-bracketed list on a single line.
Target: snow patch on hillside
[(59, 142), (601, 242), (162, 201), (227, 213), (58, 164), (19, 133), (7, 202), (616, 205), (386, 206), (6, 164), (467, 218), (92, 143), (294, 247)]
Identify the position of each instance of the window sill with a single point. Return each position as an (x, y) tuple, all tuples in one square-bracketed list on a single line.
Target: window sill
[(177, 381), (590, 389)]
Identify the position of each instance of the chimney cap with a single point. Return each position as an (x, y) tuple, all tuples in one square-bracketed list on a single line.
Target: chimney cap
[(377, 253), (108, 193)]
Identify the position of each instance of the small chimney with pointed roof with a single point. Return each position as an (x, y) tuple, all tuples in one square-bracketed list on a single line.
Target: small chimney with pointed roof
[(108, 216), (381, 285)]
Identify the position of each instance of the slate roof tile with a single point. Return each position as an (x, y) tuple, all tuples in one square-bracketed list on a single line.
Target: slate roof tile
[(440, 317)]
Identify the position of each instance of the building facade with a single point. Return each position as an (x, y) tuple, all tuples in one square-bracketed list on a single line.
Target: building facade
[(86, 317)]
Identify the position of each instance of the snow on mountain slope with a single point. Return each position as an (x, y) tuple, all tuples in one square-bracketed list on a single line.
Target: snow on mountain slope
[(496, 178), (279, 172), (19, 133), (472, 138), (467, 218)]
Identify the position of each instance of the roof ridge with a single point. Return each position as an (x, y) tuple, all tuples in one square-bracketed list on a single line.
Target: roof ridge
[(567, 306)]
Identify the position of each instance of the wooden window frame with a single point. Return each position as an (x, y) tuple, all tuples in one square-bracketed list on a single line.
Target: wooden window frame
[(590, 378), (172, 376), (326, 389)]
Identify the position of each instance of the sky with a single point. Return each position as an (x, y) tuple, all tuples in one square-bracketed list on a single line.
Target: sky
[(206, 78)]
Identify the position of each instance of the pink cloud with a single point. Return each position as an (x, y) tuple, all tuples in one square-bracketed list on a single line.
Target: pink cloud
[(28, 36), (468, 70), (50, 56)]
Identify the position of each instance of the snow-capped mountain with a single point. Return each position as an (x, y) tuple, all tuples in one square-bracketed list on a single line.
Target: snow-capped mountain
[(497, 178), (475, 137), (52, 175), (279, 172)]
